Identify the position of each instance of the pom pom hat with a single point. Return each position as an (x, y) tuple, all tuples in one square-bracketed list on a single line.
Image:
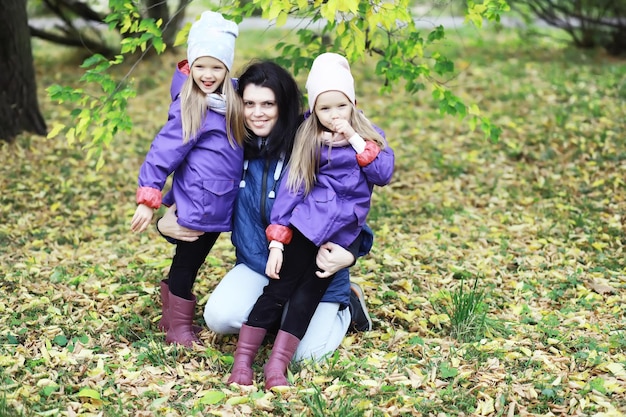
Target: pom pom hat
[(330, 72), (212, 36)]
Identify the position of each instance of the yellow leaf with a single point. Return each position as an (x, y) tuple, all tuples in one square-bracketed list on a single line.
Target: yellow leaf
[(599, 246), (56, 128), (281, 19), (369, 383), (485, 406), (617, 369), (237, 400), (329, 10)]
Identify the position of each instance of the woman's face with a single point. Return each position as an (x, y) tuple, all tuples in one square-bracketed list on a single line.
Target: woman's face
[(260, 109)]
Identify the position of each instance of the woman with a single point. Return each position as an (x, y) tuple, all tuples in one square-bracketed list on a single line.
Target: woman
[(272, 113)]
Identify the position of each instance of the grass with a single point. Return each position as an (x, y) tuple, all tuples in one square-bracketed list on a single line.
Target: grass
[(468, 313), (537, 216)]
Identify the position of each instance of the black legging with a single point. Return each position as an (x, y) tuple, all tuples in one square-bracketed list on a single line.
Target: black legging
[(298, 284), (188, 259)]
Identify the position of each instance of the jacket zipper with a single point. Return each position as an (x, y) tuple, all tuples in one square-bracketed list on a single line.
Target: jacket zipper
[(264, 191)]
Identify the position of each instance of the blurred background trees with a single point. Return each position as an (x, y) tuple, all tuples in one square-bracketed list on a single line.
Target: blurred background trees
[(19, 108), (86, 23), (589, 23), (114, 28)]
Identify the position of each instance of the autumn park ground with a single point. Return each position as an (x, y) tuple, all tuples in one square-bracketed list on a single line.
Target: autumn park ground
[(497, 282)]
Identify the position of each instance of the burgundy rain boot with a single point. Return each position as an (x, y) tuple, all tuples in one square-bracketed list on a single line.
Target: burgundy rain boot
[(181, 313), (285, 346), (164, 323), (250, 339)]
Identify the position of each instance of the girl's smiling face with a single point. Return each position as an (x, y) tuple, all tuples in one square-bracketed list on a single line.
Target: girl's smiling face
[(208, 73)]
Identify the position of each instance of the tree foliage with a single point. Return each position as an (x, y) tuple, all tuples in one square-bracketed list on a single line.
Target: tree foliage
[(386, 30), (82, 23)]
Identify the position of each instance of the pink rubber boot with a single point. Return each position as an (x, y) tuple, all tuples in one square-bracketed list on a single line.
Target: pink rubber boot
[(164, 323), (250, 339), (180, 314), (285, 346)]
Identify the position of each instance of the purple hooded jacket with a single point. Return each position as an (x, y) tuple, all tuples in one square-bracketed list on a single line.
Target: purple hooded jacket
[(336, 208), (207, 169)]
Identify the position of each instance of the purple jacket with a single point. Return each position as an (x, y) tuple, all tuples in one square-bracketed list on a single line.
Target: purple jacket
[(336, 209), (207, 169)]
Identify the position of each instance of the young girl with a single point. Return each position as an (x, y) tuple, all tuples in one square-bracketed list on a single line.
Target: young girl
[(201, 143), (338, 157)]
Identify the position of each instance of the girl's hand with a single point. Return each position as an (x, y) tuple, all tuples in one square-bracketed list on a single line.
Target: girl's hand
[(331, 258), (169, 227), (141, 219), (274, 263), (344, 127)]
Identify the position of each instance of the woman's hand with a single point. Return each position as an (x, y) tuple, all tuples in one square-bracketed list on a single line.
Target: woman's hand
[(169, 227), (332, 258)]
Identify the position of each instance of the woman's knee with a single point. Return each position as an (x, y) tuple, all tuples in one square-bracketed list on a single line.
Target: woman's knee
[(221, 319)]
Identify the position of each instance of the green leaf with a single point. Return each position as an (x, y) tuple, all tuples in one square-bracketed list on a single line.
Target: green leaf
[(60, 340), (89, 393), (212, 397), (597, 384), (49, 389), (447, 371)]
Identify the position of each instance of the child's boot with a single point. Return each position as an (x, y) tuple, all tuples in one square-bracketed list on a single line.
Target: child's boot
[(250, 339), (164, 323), (284, 348), (180, 314)]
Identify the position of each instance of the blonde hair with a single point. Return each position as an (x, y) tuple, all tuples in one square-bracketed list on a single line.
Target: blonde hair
[(305, 158), (193, 107)]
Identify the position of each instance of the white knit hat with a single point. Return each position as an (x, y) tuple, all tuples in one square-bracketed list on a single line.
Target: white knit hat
[(329, 72), (212, 36)]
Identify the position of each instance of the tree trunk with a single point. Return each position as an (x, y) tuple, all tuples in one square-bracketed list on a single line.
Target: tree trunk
[(19, 108)]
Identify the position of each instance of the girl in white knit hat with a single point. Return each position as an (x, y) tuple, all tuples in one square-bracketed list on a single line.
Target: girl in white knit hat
[(338, 157), (201, 144)]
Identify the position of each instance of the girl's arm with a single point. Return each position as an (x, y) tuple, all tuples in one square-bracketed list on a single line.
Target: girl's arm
[(377, 164), (286, 202), (165, 155)]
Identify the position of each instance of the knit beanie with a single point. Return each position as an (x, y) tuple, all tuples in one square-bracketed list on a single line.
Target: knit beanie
[(212, 36), (329, 72)]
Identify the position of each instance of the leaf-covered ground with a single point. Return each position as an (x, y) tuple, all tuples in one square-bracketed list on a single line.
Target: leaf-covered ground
[(534, 219)]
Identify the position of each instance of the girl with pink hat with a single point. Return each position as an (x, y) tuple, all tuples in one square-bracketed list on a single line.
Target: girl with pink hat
[(338, 157)]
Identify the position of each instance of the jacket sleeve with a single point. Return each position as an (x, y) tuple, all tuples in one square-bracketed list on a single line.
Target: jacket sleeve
[(165, 155), (377, 164), (286, 202), (380, 168)]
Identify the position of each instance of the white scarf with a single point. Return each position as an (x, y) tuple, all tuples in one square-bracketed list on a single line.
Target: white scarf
[(334, 139), (216, 102)]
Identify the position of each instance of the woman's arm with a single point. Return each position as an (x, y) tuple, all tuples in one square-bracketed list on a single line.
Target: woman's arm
[(169, 227)]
